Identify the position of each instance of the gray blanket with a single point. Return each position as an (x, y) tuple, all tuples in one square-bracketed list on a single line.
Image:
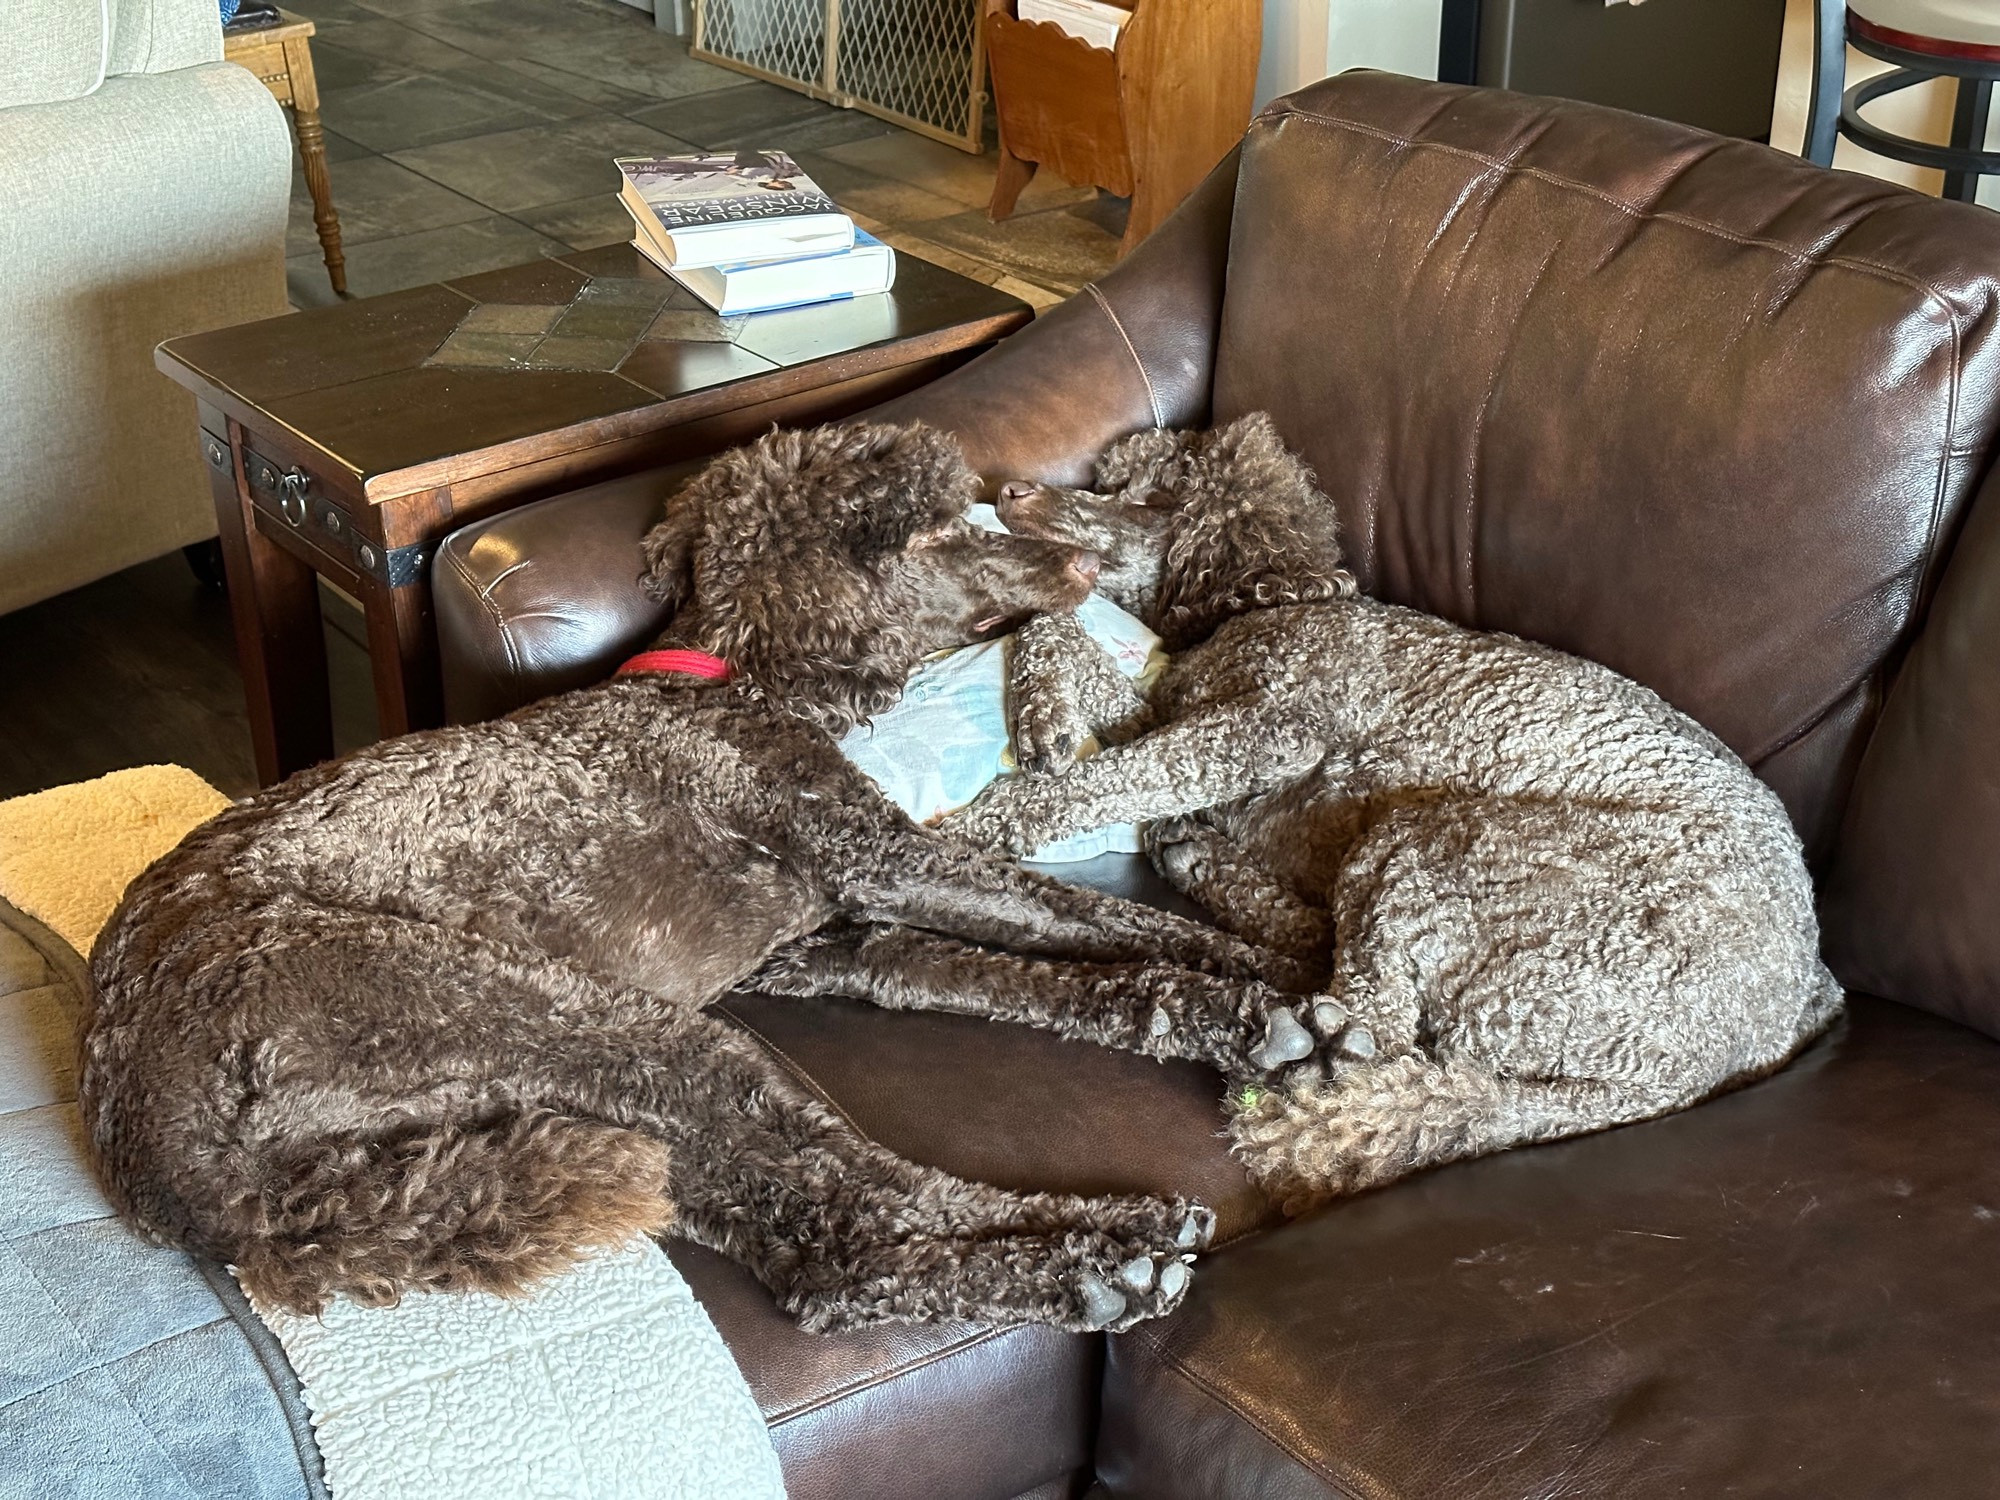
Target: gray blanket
[(125, 1369)]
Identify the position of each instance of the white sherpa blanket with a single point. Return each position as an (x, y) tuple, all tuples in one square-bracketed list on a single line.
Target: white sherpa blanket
[(605, 1383)]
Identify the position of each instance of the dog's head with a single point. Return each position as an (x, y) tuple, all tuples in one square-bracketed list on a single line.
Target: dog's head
[(823, 565), (1194, 527)]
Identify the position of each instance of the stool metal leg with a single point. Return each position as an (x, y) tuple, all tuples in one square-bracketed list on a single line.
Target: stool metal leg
[(1968, 132), (1829, 74)]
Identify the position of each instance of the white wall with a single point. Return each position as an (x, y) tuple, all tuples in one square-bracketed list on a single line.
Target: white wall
[(1308, 39), (1398, 36)]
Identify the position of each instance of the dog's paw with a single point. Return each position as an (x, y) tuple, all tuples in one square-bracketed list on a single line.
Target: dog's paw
[(1285, 1040), (1150, 1284), (1146, 1287), (1048, 734), (1345, 1039)]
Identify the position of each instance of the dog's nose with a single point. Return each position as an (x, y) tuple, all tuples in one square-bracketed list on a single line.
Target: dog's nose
[(1087, 564)]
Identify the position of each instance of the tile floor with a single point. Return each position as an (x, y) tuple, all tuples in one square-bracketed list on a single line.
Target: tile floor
[(468, 134)]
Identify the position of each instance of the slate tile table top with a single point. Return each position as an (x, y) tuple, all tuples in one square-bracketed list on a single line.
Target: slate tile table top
[(345, 442)]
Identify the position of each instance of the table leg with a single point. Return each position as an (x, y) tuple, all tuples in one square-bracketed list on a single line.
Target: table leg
[(312, 156), (274, 605), (402, 649)]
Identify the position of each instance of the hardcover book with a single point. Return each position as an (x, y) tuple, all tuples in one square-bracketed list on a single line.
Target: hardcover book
[(866, 267), (704, 210)]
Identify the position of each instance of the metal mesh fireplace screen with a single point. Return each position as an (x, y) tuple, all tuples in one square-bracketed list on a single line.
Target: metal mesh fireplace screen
[(916, 62)]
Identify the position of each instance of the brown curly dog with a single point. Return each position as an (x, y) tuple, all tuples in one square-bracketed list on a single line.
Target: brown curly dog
[(430, 1016)]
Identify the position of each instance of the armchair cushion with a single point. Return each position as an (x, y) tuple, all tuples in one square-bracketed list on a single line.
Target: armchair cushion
[(51, 50), (157, 36), (154, 207)]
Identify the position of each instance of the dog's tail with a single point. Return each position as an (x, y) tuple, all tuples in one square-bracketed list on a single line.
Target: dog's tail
[(448, 1207), (1373, 1123)]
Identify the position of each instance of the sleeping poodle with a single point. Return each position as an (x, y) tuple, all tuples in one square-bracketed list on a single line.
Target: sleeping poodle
[(1546, 901), (430, 1016)]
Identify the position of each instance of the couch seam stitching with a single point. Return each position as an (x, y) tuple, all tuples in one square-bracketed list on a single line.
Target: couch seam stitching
[(1556, 179), (881, 1378), (459, 566), (1236, 1409), (795, 1068), (1152, 396)]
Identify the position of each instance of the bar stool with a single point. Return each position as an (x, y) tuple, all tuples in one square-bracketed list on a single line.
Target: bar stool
[(1924, 39)]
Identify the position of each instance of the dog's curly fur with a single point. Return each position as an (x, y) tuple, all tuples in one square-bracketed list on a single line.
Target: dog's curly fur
[(1550, 902), (431, 1016)]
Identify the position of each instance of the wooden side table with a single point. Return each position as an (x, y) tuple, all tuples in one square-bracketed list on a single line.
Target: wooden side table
[(281, 57), (344, 443)]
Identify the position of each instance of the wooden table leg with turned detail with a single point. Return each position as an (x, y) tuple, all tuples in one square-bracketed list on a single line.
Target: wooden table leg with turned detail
[(281, 57)]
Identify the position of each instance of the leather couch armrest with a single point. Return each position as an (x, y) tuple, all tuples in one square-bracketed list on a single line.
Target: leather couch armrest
[(1134, 349), (546, 598)]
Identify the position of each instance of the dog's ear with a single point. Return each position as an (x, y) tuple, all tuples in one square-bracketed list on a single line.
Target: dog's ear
[(791, 536), (827, 653), (1254, 531), (1150, 461), (669, 547)]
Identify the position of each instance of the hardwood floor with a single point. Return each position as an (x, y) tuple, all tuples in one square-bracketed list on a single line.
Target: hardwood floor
[(138, 669)]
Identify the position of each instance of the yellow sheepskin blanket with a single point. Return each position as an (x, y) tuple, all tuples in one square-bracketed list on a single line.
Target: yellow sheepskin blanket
[(66, 855)]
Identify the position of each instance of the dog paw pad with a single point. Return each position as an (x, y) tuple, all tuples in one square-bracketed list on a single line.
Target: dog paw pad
[(1285, 1040), (1173, 1280), (1137, 1274), (1161, 1023), (1328, 1016), (1357, 1042), (1102, 1305), (1196, 1230)]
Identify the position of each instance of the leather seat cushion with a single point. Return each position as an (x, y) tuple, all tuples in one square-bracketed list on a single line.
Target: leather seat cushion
[(1786, 1291), (956, 1410), (905, 1412)]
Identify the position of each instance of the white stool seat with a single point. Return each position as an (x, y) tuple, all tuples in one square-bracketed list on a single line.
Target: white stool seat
[(1970, 23)]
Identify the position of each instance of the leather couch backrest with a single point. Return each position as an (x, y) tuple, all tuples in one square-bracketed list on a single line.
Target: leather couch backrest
[(1911, 904), (1683, 405)]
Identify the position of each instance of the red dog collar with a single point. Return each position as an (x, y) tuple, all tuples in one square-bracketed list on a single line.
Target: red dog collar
[(685, 663)]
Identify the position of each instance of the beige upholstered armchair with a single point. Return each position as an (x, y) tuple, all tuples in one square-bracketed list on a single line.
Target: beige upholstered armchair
[(143, 188)]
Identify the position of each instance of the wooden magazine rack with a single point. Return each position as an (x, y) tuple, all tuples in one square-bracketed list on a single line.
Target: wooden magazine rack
[(1146, 121)]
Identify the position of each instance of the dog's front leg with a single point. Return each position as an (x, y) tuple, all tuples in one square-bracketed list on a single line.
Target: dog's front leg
[(1156, 1010), (845, 1232), (1202, 862), (1218, 755), (1062, 690), (943, 886)]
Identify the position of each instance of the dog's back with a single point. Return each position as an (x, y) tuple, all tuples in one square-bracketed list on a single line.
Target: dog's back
[(355, 994)]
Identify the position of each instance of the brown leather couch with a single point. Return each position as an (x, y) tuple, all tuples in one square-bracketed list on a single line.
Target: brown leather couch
[(1717, 418)]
